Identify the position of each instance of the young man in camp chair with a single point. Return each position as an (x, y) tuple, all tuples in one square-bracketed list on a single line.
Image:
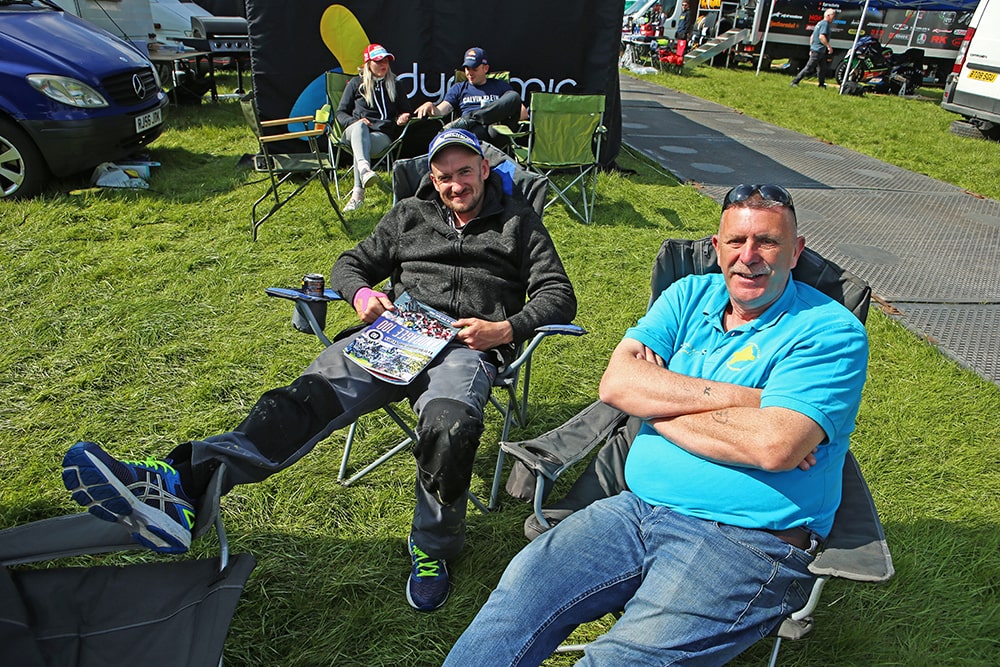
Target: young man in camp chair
[(462, 246), (748, 384), (481, 101)]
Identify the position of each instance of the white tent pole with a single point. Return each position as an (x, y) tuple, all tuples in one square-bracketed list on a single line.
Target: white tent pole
[(763, 43), (854, 48)]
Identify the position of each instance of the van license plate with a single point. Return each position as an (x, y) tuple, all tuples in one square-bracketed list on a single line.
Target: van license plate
[(980, 75), (148, 120)]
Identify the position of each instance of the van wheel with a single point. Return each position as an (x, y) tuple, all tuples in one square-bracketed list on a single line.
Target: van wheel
[(23, 172), (963, 128)]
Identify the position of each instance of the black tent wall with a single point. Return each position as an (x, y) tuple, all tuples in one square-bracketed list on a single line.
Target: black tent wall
[(568, 46)]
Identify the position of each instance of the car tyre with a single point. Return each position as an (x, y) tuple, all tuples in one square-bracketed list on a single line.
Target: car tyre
[(963, 128), (23, 172)]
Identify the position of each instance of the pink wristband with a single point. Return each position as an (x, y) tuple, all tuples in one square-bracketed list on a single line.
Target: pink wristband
[(363, 296)]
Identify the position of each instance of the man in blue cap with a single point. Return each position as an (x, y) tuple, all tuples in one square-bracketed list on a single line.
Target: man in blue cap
[(480, 101), (461, 245)]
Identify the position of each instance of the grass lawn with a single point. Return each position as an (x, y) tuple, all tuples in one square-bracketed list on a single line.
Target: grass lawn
[(139, 320)]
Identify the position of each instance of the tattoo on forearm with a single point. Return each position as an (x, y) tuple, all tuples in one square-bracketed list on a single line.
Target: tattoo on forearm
[(708, 391), (721, 416)]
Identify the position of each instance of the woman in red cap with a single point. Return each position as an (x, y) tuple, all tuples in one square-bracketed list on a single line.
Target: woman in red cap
[(372, 111)]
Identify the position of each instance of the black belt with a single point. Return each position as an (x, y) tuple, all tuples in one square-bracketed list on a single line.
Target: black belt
[(797, 537)]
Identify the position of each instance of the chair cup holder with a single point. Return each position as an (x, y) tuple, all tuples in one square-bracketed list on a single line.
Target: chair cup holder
[(318, 309)]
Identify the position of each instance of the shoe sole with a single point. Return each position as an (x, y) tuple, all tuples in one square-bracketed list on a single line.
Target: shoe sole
[(374, 178), (96, 488)]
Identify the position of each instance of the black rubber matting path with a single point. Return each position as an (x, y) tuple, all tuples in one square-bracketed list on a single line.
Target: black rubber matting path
[(928, 248)]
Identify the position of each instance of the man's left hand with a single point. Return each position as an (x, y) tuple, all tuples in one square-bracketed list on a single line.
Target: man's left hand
[(483, 335)]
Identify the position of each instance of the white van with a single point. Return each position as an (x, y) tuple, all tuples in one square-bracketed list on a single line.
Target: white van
[(973, 87)]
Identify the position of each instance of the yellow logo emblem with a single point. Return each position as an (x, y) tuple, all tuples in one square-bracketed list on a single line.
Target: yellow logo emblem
[(743, 358)]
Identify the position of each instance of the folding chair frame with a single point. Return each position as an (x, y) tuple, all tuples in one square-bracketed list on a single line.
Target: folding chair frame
[(280, 169), (83, 534), (510, 381)]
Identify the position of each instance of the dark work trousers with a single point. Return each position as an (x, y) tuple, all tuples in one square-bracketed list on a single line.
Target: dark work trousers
[(449, 398), (817, 63)]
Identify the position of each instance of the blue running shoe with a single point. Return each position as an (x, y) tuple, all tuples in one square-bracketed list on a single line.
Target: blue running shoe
[(145, 497), (428, 586)]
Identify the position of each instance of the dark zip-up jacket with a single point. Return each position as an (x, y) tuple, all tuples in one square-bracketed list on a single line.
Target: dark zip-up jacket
[(503, 266), (383, 115)]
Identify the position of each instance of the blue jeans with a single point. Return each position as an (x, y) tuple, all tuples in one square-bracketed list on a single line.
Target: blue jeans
[(693, 591)]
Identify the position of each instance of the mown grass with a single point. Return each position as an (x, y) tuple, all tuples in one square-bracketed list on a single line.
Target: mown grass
[(138, 319)]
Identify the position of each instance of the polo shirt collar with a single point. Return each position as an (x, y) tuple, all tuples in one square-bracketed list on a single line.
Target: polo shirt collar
[(716, 307)]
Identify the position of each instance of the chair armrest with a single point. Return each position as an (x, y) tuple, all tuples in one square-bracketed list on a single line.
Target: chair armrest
[(304, 309), (552, 453), (521, 131), (856, 548), (269, 138), (541, 333), (286, 121), (296, 294)]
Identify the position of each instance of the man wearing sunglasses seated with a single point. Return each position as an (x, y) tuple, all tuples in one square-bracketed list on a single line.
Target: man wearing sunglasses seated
[(481, 101), (748, 384)]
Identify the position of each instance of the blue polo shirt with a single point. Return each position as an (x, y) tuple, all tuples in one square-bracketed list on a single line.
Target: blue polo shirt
[(468, 98), (806, 351)]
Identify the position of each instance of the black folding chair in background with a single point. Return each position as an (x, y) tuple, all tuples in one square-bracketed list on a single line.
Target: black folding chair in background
[(856, 548)]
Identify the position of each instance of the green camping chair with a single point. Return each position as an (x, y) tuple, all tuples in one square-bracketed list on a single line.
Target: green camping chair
[(337, 147), (564, 145), (282, 167)]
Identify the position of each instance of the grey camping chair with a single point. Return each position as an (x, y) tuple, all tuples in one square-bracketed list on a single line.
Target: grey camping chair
[(856, 548), (512, 383), (93, 616)]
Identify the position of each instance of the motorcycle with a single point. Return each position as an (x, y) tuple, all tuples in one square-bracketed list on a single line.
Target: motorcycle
[(874, 67)]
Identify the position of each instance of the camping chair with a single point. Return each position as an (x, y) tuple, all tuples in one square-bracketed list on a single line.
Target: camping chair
[(94, 617), (564, 145), (337, 147), (281, 167), (856, 548), (512, 383)]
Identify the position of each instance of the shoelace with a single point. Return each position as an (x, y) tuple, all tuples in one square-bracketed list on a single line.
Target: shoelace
[(426, 566), (155, 464)]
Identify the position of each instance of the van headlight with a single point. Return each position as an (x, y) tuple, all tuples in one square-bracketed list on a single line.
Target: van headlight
[(66, 90)]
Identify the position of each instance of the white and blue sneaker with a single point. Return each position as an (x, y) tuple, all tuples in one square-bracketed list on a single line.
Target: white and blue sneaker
[(145, 497), (428, 586)]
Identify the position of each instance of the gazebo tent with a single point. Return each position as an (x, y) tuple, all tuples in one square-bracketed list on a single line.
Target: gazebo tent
[(923, 5)]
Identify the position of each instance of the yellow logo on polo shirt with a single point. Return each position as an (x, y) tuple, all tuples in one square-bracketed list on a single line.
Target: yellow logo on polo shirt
[(743, 358)]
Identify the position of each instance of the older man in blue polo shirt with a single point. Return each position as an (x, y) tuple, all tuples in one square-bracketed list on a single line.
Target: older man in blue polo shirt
[(748, 384), (480, 100)]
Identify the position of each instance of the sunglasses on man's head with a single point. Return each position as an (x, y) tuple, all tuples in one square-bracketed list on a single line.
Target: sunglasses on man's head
[(768, 192)]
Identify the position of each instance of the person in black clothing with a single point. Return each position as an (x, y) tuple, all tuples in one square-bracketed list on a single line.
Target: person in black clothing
[(461, 245), (372, 111)]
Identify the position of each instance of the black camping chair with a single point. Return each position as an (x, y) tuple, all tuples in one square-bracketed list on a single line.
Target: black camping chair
[(512, 383), (172, 613), (856, 548)]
